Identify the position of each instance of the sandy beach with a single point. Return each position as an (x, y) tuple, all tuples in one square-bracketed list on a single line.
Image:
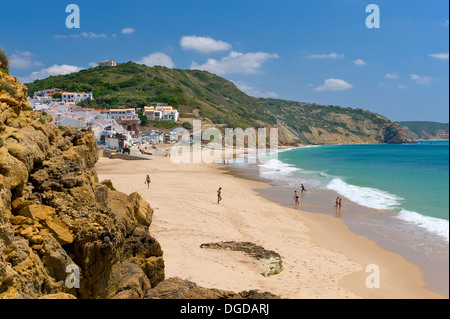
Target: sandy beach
[(321, 257)]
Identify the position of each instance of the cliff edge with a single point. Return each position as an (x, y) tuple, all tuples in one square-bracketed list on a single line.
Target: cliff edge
[(55, 216)]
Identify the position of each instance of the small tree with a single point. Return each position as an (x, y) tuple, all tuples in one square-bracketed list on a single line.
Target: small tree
[(187, 125), (143, 118), (4, 62)]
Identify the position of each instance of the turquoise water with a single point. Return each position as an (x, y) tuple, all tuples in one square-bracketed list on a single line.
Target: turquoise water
[(411, 180)]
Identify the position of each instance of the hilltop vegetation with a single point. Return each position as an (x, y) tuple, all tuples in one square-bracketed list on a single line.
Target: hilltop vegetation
[(202, 95)]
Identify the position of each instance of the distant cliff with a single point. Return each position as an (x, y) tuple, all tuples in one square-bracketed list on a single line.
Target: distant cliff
[(216, 101), (420, 130)]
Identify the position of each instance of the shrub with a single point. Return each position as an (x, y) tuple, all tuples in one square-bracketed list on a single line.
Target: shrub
[(5, 86), (4, 62), (187, 125)]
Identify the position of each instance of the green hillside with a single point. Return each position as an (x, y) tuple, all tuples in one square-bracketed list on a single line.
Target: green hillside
[(199, 94)]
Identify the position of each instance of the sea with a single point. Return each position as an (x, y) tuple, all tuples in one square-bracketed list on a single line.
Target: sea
[(402, 190)]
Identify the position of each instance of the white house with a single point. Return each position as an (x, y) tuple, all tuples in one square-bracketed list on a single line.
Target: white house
[(161, 113), (75, 97), (119, 114)]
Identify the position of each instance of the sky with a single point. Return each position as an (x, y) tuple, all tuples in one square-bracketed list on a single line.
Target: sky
[(320, 51)]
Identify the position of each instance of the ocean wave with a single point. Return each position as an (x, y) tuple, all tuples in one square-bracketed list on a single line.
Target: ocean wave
[(365, 196), (277, 166), (434, 225)]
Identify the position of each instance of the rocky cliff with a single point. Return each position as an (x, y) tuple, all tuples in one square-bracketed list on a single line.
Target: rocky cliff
[(55, 216)]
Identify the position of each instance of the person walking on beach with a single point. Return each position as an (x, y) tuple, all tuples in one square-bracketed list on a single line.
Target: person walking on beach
[(297, 201), (148, 181), (303, 188), (340, 203), (219, 195)]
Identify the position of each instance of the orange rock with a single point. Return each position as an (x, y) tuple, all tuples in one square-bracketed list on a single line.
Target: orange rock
[(38, 213)]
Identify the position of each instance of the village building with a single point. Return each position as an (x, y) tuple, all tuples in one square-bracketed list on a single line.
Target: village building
[(107, 63), (49, 92), (75, 97), (161, 113)]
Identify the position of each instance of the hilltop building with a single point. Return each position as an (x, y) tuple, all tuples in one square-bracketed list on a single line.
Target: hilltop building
[(107, 63)]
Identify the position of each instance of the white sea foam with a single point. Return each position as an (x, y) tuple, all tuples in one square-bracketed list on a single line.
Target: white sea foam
[(365, 196), (434, 225), (277, 166)]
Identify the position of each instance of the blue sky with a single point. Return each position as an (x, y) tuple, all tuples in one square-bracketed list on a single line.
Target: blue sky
[(311, 51)]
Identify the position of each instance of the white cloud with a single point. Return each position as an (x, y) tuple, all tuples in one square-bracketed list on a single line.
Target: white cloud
[(359, 62), (23, 60), (402, 86), (445, 23), (127, 31), (92, 64), (157, 58), (81, 35), (203, 44), (235, 62), (334, 85), (252, 91), (421, 80), (439, 56), (392, 76), (51, 71), (93, 35), (332, 55)]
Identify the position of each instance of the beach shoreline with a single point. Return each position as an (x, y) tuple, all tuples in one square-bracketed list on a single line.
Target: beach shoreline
[(322, 258), (434, 267)]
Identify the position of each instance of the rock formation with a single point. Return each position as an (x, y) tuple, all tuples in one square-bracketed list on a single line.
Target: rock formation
[(176, 288), (269, 261), (56, 216)]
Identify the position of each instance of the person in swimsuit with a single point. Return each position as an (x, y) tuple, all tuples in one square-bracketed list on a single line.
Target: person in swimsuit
[(337, 202), (303, 188), (148, 181), (297, 201)]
